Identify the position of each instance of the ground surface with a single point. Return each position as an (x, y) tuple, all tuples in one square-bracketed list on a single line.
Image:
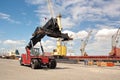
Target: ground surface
[(11, 70)]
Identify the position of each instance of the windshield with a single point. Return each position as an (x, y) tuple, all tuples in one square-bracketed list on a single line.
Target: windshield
[(35, 51)]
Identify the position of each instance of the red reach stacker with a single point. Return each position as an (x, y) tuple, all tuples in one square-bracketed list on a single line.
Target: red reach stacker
[(32, 56)]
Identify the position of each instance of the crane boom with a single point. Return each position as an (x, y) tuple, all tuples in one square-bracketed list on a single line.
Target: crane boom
[(50, 8), (50, 29), (115, 38)]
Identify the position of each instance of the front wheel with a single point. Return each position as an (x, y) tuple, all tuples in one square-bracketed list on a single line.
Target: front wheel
[(34, 64), (52, 64)]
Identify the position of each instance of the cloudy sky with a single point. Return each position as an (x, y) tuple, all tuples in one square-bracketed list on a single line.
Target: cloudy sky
[(19, 18)]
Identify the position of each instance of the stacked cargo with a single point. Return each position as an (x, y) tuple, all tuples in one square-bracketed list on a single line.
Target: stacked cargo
[(105, 64), (90, 63)]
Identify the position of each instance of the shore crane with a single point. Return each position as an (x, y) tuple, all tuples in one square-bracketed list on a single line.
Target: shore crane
[(83, 45), (115, 41), (61, 49)]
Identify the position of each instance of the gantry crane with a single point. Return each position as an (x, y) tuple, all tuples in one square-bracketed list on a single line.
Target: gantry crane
[(115, 41), (83, 45)]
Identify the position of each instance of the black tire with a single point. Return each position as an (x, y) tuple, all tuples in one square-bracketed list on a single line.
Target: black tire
[(52, 64), (21, 62), (40, 64), (34, 64)]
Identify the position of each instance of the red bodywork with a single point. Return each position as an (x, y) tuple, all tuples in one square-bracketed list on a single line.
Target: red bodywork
[(26, 58), (115, 52), (106, 58)]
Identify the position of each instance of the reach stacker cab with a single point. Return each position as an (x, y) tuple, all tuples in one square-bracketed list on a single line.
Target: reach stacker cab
[(36, 60)]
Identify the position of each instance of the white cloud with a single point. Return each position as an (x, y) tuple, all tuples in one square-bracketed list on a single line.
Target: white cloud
[(112, 9), (21, 49), (104, 34), (7, 17), (76, 35), (48, 45), (99, 47), (67, 23), (70, 34), (76, 11), (82, 34), (14, 42), (9, 45), (4, 16), (101, 42), (93, 10), (35, 2)]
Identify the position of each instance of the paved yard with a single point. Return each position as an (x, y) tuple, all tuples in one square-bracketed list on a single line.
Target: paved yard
[(11, 70)]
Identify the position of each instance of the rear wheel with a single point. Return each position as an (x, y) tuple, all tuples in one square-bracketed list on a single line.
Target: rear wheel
[(52, 64), (34, 64), (21, 62)]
